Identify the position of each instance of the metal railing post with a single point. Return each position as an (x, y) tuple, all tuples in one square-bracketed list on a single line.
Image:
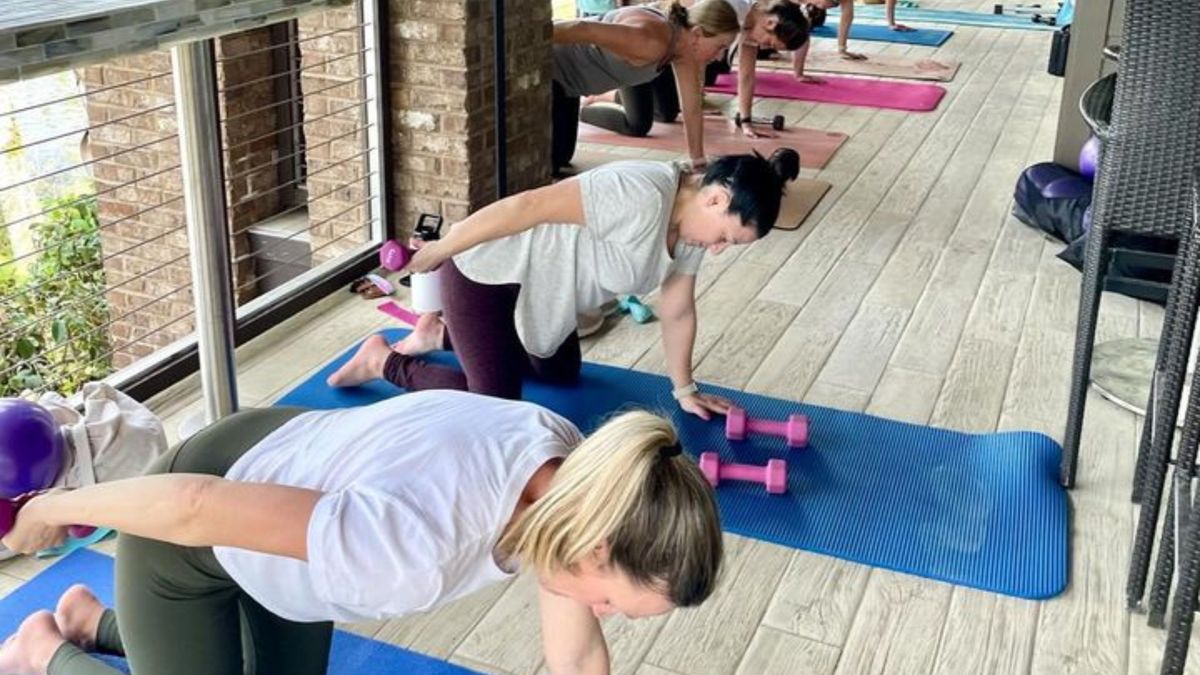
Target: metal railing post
[(208, 241)]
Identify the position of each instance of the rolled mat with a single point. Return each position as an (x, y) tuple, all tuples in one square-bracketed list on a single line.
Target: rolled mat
[(980, 510), (843, 90)]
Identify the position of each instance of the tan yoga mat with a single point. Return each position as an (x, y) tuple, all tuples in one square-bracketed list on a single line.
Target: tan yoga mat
[(815, 147), (803, 194), (876, 65)]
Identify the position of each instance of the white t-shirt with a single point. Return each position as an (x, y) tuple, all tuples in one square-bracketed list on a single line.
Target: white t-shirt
[(418, 490), (566, 269)]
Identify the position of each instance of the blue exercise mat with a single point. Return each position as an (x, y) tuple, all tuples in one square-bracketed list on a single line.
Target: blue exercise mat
[(980, 510), (350, 654), (948, 16), (927, 37)]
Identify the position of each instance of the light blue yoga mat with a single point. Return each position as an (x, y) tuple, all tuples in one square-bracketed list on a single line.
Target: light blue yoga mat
[(947, 16), (350, 654), (927, 37), (980, 510)]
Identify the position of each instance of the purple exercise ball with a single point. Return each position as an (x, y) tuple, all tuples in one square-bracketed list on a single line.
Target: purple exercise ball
[(1089, 158), (31, 447), (1067, 187)]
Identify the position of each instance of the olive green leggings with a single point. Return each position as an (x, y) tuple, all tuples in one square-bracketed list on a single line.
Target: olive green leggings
[(178, 612)]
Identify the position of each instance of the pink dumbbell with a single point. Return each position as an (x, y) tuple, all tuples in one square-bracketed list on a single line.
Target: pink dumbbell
[(10, 507), (773, 475), (794, 430), (394, 256)]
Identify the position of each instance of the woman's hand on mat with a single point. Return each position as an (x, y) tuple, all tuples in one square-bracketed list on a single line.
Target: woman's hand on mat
[(704, 405), (852, 56), (901, 28), (809, 79), (31, 532), (429, 257)]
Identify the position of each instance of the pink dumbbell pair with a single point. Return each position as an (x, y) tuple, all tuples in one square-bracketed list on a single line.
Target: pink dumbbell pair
[(773, 475)]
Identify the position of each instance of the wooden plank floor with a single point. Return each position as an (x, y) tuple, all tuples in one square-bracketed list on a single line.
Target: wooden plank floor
[(910, 293)]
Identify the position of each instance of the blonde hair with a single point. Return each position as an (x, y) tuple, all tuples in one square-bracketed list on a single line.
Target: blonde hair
[(713, 17), (652, 507)]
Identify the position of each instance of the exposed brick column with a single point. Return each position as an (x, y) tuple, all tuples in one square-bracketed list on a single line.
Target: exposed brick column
[(442, 103)]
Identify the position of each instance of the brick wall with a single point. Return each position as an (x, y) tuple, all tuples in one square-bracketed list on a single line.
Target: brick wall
[(249, 106), (442, 103), (145, 245), (334, 119)]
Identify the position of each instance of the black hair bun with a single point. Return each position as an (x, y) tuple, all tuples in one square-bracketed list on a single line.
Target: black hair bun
[(786, 163)]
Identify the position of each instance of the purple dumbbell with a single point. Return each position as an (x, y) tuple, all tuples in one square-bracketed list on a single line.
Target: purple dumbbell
[(773, 475), (794, 429)]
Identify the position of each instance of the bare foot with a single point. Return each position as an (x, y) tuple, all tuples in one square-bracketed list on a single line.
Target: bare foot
[(78, 616), (364, 366), (427, 336), (28, 652), (901, 28)]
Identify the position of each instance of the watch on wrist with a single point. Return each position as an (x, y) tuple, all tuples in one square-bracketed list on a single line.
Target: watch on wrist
[(680, 393)]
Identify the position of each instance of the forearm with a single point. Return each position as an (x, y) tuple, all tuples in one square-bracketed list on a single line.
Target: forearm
[(594, 662), (687, 83), (747, 63), (799, 57), (163, 507), (679, 339), (844, 23), (191, 510), (572, 640)]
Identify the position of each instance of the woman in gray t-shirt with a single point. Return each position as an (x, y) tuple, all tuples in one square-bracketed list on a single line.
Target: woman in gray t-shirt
[(515, 273)]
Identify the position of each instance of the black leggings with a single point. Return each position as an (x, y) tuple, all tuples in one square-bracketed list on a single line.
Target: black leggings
[(641, 106), (178, 611), (481, 331)]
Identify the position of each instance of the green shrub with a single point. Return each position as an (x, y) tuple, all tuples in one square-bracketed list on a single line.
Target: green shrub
[(54, 318)]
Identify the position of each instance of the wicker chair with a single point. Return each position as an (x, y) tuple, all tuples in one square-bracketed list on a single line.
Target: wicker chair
[(1149, 155)]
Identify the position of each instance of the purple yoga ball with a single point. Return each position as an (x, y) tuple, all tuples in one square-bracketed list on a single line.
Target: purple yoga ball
[(1089, 158), (31, 447), (1067, 187)]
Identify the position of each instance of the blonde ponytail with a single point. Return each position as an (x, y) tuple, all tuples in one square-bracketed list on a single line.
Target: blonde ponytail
[(652, 508), (714, 17)]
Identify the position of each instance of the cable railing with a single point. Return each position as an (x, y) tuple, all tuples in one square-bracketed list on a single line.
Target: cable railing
[(96, 277)]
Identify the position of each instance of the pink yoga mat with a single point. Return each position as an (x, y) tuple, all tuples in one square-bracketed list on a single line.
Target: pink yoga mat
[(815, 147), (844, 90)]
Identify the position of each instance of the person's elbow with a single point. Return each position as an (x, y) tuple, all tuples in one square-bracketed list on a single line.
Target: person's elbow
[(197, 494)]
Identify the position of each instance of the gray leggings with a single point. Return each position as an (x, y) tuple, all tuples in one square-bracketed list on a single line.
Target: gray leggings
[(178, 611)]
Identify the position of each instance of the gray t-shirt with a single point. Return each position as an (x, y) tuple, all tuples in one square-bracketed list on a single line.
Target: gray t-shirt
[(564, 269), (586, 69)]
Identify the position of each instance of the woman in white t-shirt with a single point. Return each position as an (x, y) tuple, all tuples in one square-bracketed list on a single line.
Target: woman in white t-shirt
[(778, 26), (515, 274), (271, 524)]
